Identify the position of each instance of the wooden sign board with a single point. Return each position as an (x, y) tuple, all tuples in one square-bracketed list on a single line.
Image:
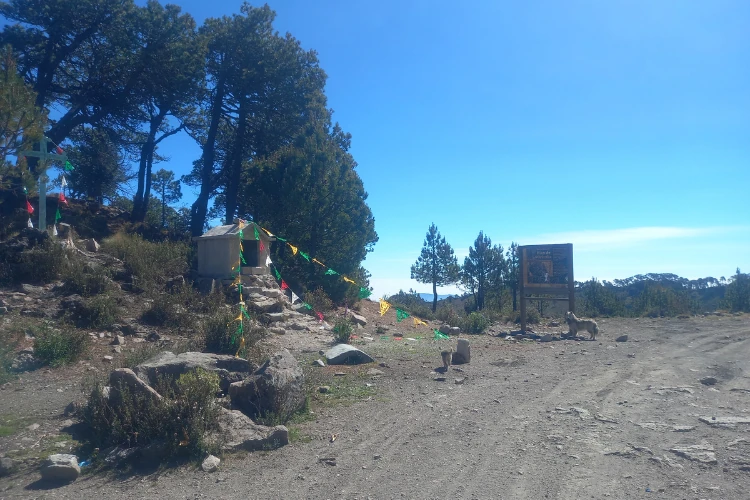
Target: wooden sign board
[(546, 270)]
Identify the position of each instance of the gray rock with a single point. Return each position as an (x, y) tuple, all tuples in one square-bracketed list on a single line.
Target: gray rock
[(7, 466), (25, 361), (3, 309), (546, 338), (119, 454), (238, 432), (72, 409), (32, 290), (455, 330), (709, 381), (118, 340), (261, 304), (228, 368), (271, 293), (445, 329), (61, 467), (277, 330), (358, 319), (726, 421), (345, 354), (703, 453), (463, 352), (107, 359), (319, 362), (374, 372), (210, 464), (276, 387), (125, 377), (324, 389), (91, 245), (622, 338)]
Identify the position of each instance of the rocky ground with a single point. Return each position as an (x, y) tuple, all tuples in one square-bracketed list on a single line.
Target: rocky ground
[(665, 414)]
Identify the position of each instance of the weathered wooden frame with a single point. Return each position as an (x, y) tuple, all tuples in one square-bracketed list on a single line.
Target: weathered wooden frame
[(536, 253)]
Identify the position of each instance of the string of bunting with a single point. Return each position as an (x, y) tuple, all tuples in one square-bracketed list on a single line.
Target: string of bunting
[(363, 291)]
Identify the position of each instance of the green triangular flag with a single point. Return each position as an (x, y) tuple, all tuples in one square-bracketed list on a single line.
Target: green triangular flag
[(363, 292), (401, 315), (303, 254), (440, 336), (330, 272), (241, 234), (281, 239), (57, 215), (277, 273), (242, 258), (257, 236), (307, 306), (68, 166)]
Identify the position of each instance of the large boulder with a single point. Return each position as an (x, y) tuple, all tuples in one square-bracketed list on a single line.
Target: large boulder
[(345, 354), (277, 387), (463, 352), (358, 318), (61, 467), (238, 432), (125, 377), (261, 304), (228, 368)]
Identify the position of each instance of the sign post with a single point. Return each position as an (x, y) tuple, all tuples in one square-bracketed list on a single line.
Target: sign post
[(548, 270), (44, 156)]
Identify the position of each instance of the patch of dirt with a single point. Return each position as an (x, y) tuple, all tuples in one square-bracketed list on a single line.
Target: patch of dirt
[(524, 419)]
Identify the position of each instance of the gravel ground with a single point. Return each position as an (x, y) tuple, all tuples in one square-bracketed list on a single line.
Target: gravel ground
[(568, 420)]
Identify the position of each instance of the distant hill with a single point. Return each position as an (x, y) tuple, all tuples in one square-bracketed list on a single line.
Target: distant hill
[(427, 297)]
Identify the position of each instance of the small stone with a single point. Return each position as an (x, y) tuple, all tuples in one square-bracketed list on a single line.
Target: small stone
[(376, 457), (324, 389), (33, 427), (61, 467), (339, 374), (703, 453), (153, 337), (459, 381), (210, 464), (682, 428), (118, 340), (374, 372), (622, 338), (117, 349), (319, 362), (546, 338), (708, 381), (66, 423), (108, 359), (439, 378)]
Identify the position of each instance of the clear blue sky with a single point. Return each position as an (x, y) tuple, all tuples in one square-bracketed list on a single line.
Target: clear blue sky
[(620, 127)]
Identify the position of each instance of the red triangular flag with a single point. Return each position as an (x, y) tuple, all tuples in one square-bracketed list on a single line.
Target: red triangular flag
[(262, 247), (320, 316), (62, 198), (29, 208), (59, 150), (284, 286)]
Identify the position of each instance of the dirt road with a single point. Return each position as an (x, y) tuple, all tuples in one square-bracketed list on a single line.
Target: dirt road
[(567, 420)]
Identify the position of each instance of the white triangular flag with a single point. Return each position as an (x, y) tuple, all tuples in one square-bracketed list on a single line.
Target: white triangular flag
[(294, 298), (63, 183), (268, 261), (30, 224), (54, 230)]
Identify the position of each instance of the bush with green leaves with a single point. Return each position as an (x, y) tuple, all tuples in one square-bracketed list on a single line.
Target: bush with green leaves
[(221, 336), (182, 420), (43, 263), (475, 322), (57, 347), (319, 300), (179, 307), (85, 280), (149, 264), (449, 315), (342, 330), (101, 311)]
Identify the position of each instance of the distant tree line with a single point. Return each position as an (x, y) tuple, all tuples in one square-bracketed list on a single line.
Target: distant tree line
[(491, 277), (124, 79)]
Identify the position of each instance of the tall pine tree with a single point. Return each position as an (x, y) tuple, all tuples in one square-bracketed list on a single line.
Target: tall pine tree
[(436, 263)]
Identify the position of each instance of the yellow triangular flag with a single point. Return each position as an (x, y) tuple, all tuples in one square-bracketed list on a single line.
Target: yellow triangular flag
[(384, 306), (348, 280), (294, 249)]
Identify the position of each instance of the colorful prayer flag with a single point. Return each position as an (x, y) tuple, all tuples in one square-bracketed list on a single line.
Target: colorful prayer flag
[(63, 182), (59, 150), (57, 215), (384, 306), (281, 239), (29, 208), (267, 232), (364, 293), (294, 249), (30, 224), (349, 280), (318, 262), (62, 198), (418, 321), (68, 166), (307, 306), (277, 273), (330, 272), (295, 298), (440, 336), (262, 246), (54, 230), (268, 261), (305, 256), (319, 315), (401, 315), (284, 286)]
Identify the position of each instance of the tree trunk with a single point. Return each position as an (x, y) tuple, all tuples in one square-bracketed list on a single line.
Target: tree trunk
[(199, 210), (234, 170), (434, 296)]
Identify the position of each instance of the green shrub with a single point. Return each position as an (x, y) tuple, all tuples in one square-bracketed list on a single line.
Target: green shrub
[(85, 280), (182, 420), (179, 307), (319, 300), (532, 316), (342, 330), (42, 264), (475, 322), (149, 264), (221, 336), (9, 340), (56, 347), (101, 311), (449, 315)]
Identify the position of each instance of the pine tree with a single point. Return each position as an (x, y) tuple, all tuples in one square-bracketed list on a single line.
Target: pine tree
[(436, 264)]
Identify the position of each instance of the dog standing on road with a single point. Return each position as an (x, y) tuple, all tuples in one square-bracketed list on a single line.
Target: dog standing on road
[(575, 325), (446, 355)]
